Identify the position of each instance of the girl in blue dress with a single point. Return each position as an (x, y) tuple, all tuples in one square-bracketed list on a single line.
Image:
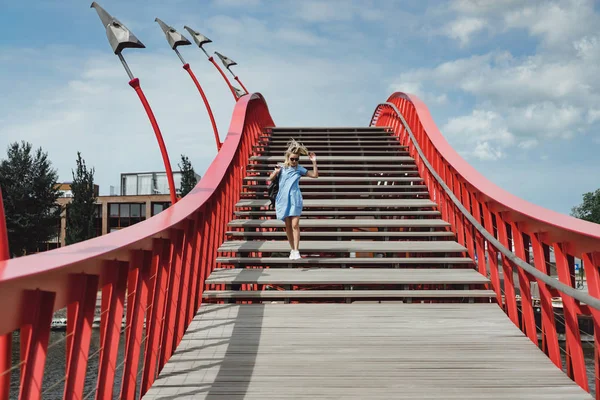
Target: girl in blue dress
[(288, 203)]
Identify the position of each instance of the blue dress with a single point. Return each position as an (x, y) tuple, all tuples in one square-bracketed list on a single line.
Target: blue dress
[(288, 202)]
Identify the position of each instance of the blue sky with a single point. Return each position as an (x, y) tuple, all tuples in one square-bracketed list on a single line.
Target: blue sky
[(511, 84)]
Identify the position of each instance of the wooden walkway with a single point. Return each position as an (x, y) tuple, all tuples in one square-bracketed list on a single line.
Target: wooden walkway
[(358, 351), (385, 302)]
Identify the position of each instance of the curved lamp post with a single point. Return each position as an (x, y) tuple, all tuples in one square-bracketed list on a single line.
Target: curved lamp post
[(176, 39), (201, 40), (5, 340), (121, 38), (228, 63)]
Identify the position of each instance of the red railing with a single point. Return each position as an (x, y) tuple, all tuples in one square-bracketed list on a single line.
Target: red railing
[(155, 269), (491, 222)]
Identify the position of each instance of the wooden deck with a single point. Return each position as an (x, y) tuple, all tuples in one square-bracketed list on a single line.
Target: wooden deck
[(358, 351)]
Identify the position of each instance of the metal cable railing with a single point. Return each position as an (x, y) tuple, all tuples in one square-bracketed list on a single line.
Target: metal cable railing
[(552, 282)]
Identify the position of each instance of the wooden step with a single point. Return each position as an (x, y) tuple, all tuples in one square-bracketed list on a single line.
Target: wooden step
[(334, 195), (383, 140), (365, 187), (346, 246), (363, 194), (375, 262), (333, 235), (346, 276), (326, 170), (331, 294), (355, 166), (342, 223), (345, 179), (349, 203), (353, 213), (326, 146), (343, 153), (355, 160), (327, 129)]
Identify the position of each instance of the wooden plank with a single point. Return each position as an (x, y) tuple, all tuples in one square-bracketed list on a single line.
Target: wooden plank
[(306, 194), (243, 246), (359, 186), (353, 213), (349, 203), (355, 159), (333, 235), (362, 261), (346, 276), (358, 351), (336, 294), (343, 223), (346, 179)]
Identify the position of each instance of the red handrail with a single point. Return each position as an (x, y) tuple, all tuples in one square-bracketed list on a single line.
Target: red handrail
[(487, 219), (160, 265)]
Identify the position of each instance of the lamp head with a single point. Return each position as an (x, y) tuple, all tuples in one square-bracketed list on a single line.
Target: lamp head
[(227, 62), (118, 35), (173, 37), (199, 38)]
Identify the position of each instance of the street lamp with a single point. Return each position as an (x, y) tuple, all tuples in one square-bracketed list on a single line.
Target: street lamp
[(176, 39), (201, 40), (228, 63), (121, 38)]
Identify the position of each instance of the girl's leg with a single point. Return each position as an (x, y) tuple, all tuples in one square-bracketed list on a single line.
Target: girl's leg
[(288, 231), (296, 231)]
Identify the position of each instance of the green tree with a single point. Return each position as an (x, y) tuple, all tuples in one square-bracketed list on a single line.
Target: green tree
[(80, 212), (188, 176), (29, 190), (589, 209)]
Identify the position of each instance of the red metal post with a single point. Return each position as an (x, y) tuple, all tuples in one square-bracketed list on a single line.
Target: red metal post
[(241, 84), (507, 269), (212, 60), (524, 285), (492, 254), (208, 109), (81, 312), (35, 334), (187, 253), (161, 256), (113, 303), (591, 263), (135, 84), (548, 322), (574, 346), (5, 340), (137, 297), (167, 334)]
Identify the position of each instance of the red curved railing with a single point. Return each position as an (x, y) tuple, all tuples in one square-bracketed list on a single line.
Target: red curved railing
[(487, 219), (156, 268)]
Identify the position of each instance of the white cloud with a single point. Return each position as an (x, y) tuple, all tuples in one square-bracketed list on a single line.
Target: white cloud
[(463, 28), (482, 135)]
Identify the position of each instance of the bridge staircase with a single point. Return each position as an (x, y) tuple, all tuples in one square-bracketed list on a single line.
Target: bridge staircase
[(385, 303)]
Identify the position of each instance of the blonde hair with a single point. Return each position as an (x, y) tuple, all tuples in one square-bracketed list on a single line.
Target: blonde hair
[(296, 148)]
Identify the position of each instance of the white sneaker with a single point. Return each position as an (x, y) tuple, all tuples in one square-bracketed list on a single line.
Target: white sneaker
[(292, 254), (295, 255)]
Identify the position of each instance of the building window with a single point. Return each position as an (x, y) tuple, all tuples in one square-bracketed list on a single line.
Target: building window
[(123, 215), (158, 207)]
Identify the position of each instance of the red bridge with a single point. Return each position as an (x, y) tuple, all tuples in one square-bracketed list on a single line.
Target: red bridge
[(420, 280)]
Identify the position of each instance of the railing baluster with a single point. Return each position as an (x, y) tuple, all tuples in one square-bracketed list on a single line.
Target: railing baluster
[(137, 298), (492, 254), (35, 334), (81, 313), (527, 316), (575, 361), (591, 265), (113, 303), (508, 272), (161, 255), (168, 332)]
